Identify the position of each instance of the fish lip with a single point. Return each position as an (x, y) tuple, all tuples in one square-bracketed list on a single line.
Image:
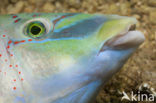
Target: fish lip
[(129, 38)]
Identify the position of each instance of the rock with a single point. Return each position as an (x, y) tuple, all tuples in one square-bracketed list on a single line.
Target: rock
[(14, 1), (153, 17), (37, 2), (3, 11), (124, 8), (48, 7), (58, 5), (136, 16), (113, 8), (17, 8), (32, 1), (73, 10), (29, 9), (152, 3), (73, 3), (9, 8)]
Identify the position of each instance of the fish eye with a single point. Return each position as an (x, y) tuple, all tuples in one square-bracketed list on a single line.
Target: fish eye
[(37, 28)]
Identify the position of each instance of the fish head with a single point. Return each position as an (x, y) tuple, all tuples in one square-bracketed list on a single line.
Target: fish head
[(63, 57)]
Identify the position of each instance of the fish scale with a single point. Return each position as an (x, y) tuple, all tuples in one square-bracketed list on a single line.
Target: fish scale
[(9, 73)]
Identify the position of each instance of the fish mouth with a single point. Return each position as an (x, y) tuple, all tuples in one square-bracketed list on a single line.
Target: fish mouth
[(130, 38)]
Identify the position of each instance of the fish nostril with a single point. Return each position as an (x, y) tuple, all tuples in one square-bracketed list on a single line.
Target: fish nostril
[(132, 28)]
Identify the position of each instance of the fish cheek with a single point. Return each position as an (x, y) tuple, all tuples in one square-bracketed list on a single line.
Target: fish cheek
[(38, 64)]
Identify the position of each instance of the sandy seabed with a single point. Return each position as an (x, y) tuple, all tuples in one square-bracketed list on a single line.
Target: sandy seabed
[(140, 68)]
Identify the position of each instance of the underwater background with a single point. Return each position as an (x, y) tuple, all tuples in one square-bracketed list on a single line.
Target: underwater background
[(139, 73)]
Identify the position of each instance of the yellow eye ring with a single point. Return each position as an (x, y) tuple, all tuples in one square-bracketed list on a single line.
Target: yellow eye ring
[(35, 29)]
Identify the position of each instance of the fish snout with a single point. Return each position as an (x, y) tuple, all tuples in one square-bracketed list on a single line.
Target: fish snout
[(115, 52)]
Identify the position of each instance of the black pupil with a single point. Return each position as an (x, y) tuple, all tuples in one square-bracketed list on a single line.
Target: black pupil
[(35, 30)]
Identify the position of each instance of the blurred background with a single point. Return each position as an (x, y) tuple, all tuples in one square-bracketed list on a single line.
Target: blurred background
[(140, 70)]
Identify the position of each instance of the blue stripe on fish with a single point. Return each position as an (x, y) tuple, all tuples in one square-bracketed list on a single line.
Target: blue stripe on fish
[(79, 29)]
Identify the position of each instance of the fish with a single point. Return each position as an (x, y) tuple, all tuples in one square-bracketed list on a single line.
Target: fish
[(62, 57)]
